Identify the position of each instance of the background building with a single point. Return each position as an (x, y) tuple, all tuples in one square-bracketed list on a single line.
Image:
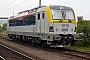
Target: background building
[(3, 20), (80, 18)]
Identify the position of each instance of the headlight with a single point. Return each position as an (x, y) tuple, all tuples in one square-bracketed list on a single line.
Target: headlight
[(51, 29), (75, 29)]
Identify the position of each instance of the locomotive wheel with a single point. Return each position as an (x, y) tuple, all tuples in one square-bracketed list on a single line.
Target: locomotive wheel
[(44, 44), (13, 37), (32, 41)]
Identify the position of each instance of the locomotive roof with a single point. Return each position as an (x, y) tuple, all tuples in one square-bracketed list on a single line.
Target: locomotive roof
[(24, 11), (30, 12), (58, 7), (21, 16)]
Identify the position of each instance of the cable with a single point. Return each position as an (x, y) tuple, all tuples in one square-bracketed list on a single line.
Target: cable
[(14, 6), (18, 4), (8, 4)]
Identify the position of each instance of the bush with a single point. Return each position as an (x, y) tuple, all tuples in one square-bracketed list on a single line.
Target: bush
[(84, 42)]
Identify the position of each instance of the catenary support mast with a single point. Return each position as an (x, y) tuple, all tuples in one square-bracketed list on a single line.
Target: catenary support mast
[(39, 2)]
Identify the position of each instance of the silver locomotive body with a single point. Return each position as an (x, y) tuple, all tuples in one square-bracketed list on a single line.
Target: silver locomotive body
[(48, 25)]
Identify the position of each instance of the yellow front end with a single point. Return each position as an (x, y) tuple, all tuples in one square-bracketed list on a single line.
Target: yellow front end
[(61, 26)]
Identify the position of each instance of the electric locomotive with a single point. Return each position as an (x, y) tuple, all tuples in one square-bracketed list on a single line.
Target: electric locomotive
[(52, 26)]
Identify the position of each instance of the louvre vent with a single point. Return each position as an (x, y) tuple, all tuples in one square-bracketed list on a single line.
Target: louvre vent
[(65, 25)]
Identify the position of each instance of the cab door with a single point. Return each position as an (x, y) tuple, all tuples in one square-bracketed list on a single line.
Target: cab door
[(42, 22), (38, 25)]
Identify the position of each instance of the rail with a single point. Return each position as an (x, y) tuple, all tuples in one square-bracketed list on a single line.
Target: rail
[(15, 52), (1, 58)]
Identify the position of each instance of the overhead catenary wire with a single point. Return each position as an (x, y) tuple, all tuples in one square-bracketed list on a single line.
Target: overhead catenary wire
[(7, 4), (14, 6)]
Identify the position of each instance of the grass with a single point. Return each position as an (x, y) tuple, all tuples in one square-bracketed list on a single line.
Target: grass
[(81, 48), (82, 45), (1, 34)]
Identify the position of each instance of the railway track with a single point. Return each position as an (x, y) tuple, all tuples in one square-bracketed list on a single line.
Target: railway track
[(1, 58), (10, 54), (71, 53), (82, 55), (64, 51)]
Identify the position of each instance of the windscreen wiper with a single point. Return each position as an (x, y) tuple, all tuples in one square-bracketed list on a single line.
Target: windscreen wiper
[(64, 16)]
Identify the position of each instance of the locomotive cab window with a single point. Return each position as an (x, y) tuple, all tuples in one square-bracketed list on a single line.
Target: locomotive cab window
[(43, 15), (38, 16), (63, 14)]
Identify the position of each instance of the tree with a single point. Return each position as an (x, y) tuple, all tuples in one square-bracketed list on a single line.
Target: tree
[(84, 27), (0, 28), (80, 26), (4, 27)]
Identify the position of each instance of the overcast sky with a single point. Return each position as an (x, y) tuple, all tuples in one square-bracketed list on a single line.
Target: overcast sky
[(81, 7)]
